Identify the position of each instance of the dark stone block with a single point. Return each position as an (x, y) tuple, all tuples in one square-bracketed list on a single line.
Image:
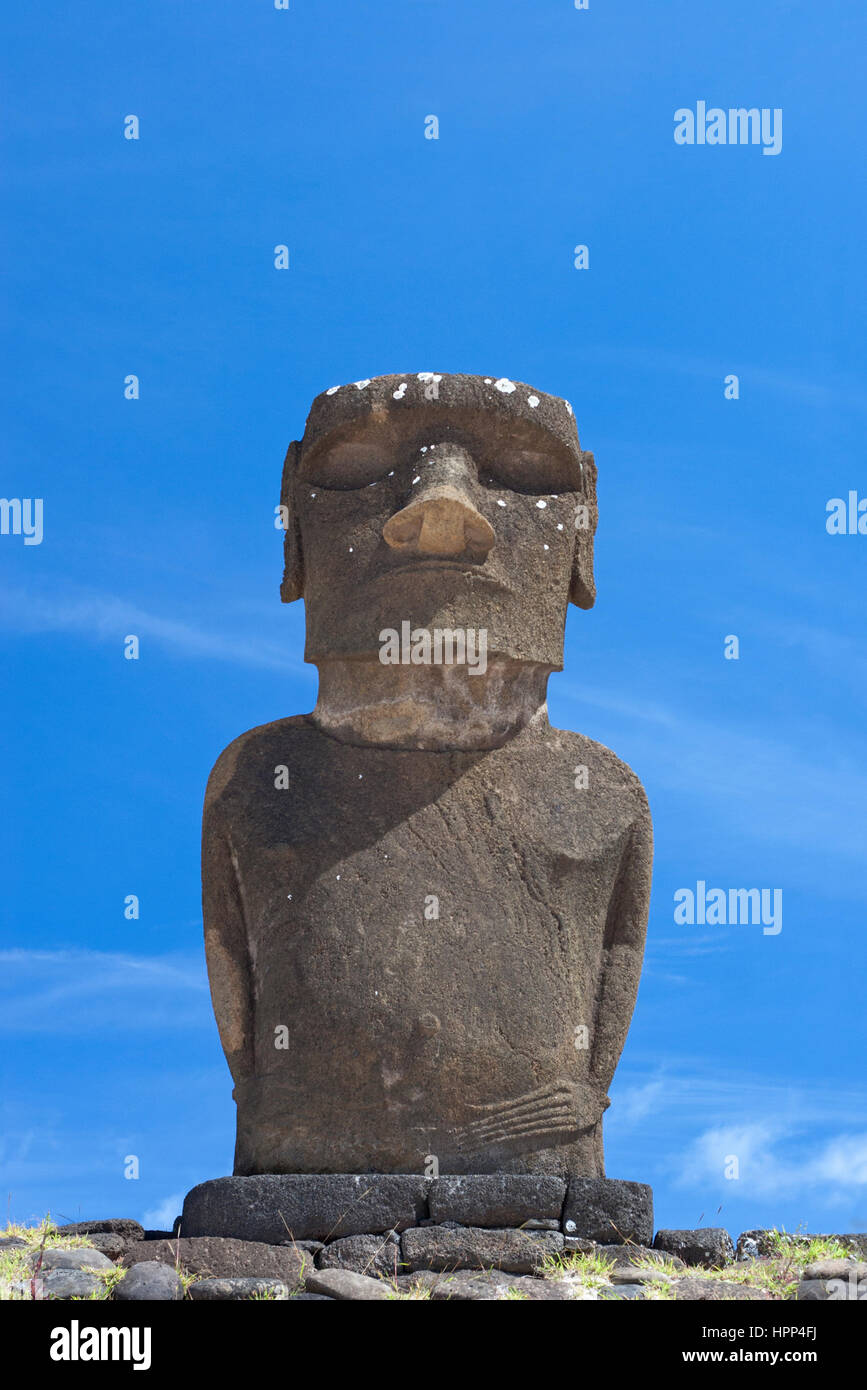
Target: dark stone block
[(469, 1247), (67, 1283), (82, 1257), (345, 1284), (237, 1290), (608, 1210), (373, 1255), (497, 1199), (274, 1206), (217, 1258), (116, 1225), (710, 1246)]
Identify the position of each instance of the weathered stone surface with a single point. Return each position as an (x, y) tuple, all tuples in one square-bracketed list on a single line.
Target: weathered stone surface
[(812, 1291), (497, 1199), (270, 1207), (836, 1269), (81, 1257), (149, 1281), (360, 1039), (466, 1286), (548, 1290), (66, 1283), (710, 1246), (345, 1284), (373, 1255), (116, 1225), (110, 1244), (312, 1247), (12, 1243), (608, 1210), (470, 1247), (224, 1259), (237, 1290), (630, 1274), (624, 1290), (700, 1290), (839, 1288), (577, 1245)]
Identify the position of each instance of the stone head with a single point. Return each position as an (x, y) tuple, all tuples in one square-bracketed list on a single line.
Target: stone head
[(445, 500)]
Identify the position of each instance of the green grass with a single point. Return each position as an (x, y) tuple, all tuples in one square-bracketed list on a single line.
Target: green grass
[(593, 1269), (806, 1249)]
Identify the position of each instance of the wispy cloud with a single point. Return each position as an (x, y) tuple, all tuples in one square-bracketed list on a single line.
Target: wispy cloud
[(776, 1160), (82, 991), (101, 617), (161, 1217)]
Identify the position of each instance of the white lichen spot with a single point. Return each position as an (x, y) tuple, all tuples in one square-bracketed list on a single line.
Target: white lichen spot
[(360, 776), (360, 385), (331, 390), (541, 504), (400, 392), (532, 402), (391, 474), (546, 547), (559, 526), (416, 480), (487, 381), (423, 449), (505, 385), (430, 376), (313, 494), (289, 897), (338, 878), (351, 548), (568, 407), (500, 502)]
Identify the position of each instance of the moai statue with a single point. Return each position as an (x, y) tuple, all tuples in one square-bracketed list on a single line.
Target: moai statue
[(425, 908)]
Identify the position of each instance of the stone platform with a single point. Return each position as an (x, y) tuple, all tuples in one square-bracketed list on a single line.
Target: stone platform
[(276, 1208)]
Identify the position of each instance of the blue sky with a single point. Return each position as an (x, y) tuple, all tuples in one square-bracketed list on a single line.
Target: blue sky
[(155, 257)]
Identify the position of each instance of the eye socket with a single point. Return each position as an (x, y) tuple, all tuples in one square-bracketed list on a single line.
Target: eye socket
[(350, 465), (531, 471)]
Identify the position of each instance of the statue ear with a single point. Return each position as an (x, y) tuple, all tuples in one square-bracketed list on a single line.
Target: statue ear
[(292, 586), (582, 590)]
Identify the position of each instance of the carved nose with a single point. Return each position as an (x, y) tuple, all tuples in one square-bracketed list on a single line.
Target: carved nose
[(443, 522)]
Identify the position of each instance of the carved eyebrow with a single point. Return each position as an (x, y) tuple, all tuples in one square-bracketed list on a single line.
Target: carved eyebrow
[(387, 433)]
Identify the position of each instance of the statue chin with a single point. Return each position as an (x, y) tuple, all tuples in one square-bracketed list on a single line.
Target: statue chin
[(430, 707)]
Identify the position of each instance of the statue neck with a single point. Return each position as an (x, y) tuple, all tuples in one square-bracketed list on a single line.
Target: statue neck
[(436, 707)]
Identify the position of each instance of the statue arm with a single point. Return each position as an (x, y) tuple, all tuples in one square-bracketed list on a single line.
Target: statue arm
[(226, 947), (623, 952)]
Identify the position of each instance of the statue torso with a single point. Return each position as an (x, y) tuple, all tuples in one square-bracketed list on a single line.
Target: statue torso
[(428, 932)]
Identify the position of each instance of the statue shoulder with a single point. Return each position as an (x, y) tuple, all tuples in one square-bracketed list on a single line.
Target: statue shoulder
[(607, 776), (248, 755)]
